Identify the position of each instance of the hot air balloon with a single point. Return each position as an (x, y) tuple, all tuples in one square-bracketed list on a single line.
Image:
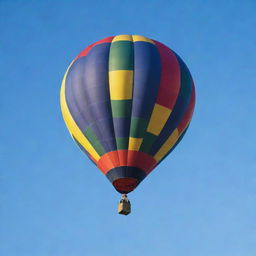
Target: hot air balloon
[(127, 101)]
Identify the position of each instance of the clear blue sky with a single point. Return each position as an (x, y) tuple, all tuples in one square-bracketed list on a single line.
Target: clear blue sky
[(201, 201)]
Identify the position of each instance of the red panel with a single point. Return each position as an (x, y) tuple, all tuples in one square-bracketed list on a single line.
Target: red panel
[(141, 160), (108, 161), (122, 154), (188, 114), (126, 158), (170, 77), (125, 185), (87, 49)]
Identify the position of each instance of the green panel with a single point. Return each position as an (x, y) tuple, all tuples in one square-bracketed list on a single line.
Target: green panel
[(90, 135), (98, 147), (121, 56), (121, 108), (93, 140), (147, 142), (138, 127), (122, 143)]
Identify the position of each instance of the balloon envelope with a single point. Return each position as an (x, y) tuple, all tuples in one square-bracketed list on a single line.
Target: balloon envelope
[(127, 102)]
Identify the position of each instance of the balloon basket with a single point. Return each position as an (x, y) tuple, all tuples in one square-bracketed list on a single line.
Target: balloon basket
[(124, 206)]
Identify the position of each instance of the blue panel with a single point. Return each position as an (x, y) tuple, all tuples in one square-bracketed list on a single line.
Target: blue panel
[(147, 72), (142, 111), (122, 127), (100, 111), (87, 94), (123, 172)]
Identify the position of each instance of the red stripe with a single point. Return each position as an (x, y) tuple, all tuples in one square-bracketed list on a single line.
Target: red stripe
[(132, 158), (108, 161), (170, 77), (189, 112), (141, 160), (87, 49)]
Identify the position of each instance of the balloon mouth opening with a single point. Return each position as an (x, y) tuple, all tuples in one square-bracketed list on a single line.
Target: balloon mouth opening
[(125, 185)]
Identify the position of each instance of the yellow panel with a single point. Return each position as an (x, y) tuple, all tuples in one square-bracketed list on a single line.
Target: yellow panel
[(167, 145), (120, 84), (137, 38), (122, 38), (70, 123), (158, 119), (134, 143)]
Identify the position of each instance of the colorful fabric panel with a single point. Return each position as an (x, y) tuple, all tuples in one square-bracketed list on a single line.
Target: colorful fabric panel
[(127, 101)]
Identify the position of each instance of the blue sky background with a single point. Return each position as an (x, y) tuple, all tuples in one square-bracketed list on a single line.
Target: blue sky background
[(201, 201)]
